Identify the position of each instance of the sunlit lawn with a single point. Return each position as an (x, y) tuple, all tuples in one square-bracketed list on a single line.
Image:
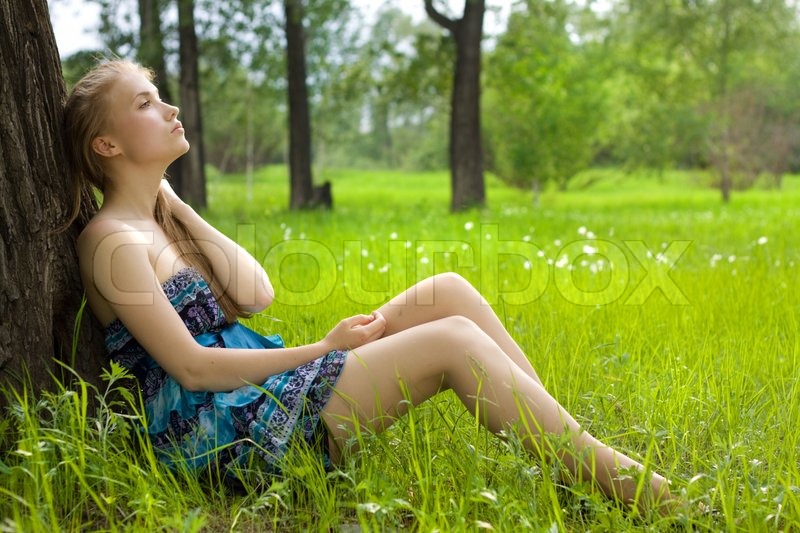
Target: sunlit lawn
[(663, 319)]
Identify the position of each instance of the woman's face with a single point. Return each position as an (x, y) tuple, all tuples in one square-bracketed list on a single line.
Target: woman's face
[(141, 128)]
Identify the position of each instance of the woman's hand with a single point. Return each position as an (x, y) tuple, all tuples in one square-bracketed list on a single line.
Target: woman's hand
[(356, 331)]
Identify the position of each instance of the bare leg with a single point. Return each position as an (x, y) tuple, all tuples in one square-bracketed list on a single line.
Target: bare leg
[(454, 353), (447, 295)]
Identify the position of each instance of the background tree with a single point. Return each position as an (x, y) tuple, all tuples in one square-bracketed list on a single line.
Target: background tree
[(545, 96), (466, 151), (242, 72), (299, 116), (301, 181), (388, 105), (41, 291), (151, 53), (715, 44), (193, 175)]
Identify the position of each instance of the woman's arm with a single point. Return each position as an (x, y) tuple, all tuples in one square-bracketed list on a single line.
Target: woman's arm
[(124, 277), (244, 279)]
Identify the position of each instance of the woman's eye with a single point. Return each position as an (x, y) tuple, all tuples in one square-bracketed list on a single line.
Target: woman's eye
[(146, 103)]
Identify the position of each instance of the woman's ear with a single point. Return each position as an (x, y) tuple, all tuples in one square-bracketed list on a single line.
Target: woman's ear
[(104, 147)]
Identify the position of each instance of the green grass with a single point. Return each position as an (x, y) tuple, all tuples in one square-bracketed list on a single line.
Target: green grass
[(705, 392)]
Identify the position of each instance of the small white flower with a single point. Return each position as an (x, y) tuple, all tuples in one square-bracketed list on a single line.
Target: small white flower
[(582, 230), (590, 235), (526, 265), (384, 269), (424, 260), (370, 507), (731, 258), (589, 250), (408, 244), (488, 236), (370, 266), (393, 235), (540, 253), (420, 249), (469, 225), (562, 261), (526, 238), (557, 242), (762, 240), (364, 252), (489, 495)]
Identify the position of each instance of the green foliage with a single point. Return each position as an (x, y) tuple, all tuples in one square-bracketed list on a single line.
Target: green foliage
[(545, 96), (76, 65), (387, 104), (707, 69)]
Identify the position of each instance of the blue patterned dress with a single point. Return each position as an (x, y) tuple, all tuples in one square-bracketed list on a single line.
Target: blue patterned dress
[(226, 428)]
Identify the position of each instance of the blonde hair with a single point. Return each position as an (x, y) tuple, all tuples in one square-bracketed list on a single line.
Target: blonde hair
[(86, 116)]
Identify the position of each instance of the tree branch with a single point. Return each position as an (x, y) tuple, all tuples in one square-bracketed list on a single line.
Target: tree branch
[(438, 18)]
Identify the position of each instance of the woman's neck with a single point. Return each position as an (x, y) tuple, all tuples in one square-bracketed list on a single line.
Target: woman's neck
[(132, 194)]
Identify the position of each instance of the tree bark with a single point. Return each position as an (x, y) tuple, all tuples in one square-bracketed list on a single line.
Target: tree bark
[(151, 54), (466, 152), (299, 118), (41, 292), (193, 182)]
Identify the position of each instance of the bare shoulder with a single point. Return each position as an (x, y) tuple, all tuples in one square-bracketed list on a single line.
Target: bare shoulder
[(103, 236), (114, 262), (100, 228)]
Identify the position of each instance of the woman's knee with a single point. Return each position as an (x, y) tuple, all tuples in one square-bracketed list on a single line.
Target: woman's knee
[(451, 289), (451, 281)]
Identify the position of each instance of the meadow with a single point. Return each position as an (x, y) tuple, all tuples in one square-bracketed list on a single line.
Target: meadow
[(663, 319)]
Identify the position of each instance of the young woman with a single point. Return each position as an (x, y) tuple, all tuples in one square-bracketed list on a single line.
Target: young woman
[(168, 288)]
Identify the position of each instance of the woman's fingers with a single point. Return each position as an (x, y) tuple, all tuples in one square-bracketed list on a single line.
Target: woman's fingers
[(366, 328)]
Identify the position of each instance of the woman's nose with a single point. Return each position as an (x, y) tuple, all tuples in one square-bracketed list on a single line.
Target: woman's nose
[(172, 111)]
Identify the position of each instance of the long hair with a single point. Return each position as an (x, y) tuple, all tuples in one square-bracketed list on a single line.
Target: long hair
[(85, 118)]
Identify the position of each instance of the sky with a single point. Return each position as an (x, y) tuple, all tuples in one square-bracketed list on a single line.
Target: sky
[(75, 21)]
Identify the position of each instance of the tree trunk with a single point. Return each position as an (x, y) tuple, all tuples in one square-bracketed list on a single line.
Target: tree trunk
[(41, 291), (151, 54), (193, 182), (726, 183), (466, 152), (299, 122)]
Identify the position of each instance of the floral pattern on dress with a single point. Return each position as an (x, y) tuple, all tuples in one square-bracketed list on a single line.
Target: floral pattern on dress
[(226, 428)]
